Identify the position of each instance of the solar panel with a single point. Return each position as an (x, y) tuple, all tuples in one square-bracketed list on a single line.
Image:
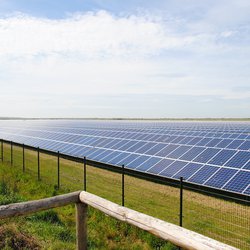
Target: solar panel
[(221, 177), (160, 166), (173, 168), (211, 154), (203, 174), (239, 182)]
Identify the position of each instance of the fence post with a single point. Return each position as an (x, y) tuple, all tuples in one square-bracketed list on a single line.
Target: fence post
[(123, 185), (84, 174), (2, 149), (23, 159), (11, 153), (181, 200), (58, 169), (38, 164), (81, 226)]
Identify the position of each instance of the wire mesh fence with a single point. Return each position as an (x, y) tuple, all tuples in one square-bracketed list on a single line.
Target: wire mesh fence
[(215, 217), (218, 218), (17, 156)]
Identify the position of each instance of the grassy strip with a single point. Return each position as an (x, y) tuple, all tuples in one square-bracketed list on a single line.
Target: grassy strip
[(55, 229), (222, 220)]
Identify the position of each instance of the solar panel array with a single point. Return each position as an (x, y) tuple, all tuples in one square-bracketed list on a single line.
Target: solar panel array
[(213, 154)]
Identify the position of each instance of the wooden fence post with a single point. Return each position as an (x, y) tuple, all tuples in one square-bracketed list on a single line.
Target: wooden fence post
[(81, 226)]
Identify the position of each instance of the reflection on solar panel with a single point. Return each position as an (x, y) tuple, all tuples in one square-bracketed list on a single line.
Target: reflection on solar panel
[(212, 154)]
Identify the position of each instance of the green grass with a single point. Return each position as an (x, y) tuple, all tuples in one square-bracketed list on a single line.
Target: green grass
[(225, 221), (55, 229)]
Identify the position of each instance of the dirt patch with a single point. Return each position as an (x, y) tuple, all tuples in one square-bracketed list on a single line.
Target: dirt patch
[(12, 238)]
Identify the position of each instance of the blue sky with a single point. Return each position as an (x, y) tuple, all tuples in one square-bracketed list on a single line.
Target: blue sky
[(152, 59)]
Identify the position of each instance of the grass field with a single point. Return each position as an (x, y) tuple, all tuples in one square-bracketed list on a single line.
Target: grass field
[(225, 221)]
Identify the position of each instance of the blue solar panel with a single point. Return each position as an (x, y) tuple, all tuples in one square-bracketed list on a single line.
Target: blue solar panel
[(186, 140), (203, 141), (128, 145), (246, 191), (224, 143), (214, 154), (104, 153), (109, 157), (247, 166), (167, 150), (188, 171), (158, 147), (128, 159), (223, 156), (145, 148), (173, 168), (94, 152), (235, 144), (178, 152), (239, 182), (116, 160), (192, 153), (119, 144), (160, 166), (206, 155), (221, 177), (136, 146), (239, 160), (194, 141), (242, 136), (245, 145), (203, 174), (213, 142), (138, 161), (148, 164)]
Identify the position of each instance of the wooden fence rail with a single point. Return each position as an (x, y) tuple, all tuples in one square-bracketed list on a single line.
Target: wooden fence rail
[(179, 236)]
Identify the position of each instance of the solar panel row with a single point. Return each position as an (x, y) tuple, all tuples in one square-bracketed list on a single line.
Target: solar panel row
[(205, 153)]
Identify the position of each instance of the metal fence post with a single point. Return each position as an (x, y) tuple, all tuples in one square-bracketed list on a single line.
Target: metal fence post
[(2, 149), (38, 164), (181, 201), (58, 169), (11, 153), (123, 185), (23, 159), (84, 174)]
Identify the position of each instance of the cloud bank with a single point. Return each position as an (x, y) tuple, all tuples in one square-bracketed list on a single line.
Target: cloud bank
[(90, 35), (98, 56)]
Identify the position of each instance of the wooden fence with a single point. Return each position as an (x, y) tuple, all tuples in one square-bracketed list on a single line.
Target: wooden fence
[(179, 236)]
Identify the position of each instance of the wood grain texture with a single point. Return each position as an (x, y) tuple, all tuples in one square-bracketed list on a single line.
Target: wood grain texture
[(81, 226), (179, 236), (29, 207)]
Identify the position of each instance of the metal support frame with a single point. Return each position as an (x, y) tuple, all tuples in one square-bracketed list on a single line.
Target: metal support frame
[(123, 185), (84, 174), (11, 153), (23, 158), (2, 150), (58, 169), (38, 164), (181, 201)]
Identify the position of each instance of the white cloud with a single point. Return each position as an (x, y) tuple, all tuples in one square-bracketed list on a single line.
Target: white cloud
[(47, 63), (91, 34)]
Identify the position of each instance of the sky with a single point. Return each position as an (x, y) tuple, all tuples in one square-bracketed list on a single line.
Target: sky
[(126, 59)]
